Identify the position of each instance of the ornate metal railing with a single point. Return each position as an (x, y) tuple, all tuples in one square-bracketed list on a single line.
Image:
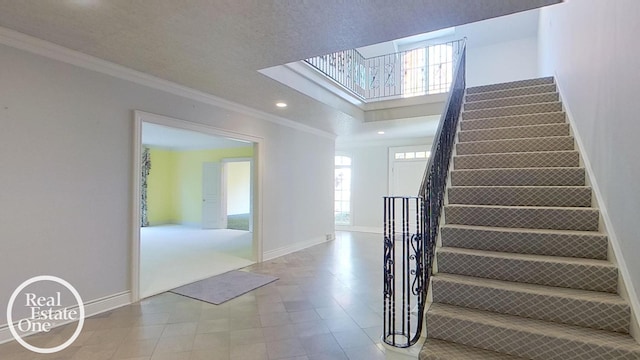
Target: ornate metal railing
[(347, 68), (411, 230), (420, 71)]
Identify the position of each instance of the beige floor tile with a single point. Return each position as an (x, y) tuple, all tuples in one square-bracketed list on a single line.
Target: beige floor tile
[(256, 351), (174, 344), (320, 309)]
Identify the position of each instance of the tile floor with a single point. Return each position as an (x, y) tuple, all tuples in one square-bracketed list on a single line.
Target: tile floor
[(326, 305)]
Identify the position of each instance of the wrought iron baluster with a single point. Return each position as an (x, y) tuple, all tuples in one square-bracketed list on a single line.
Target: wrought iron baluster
[(419, 219)]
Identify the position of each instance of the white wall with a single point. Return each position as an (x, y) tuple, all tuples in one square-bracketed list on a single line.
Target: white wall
[(66, 144), (370, 179), (502, 62), (591, 48)]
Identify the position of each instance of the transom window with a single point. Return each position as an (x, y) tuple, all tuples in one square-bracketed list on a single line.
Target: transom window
[(411, 155)]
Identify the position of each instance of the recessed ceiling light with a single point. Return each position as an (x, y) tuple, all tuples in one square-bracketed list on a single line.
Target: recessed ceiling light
[(281, 105), (380, 132)]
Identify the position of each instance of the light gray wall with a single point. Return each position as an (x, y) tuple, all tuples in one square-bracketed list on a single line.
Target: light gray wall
[(66, 144), (502, 62), (591, 48), (370, 178)]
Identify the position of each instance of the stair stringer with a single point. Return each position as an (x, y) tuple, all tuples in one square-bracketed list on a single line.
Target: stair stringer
[(625, 287), (441, 221)]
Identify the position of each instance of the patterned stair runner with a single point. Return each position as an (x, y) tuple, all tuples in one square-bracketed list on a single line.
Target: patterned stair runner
[(522, 272)]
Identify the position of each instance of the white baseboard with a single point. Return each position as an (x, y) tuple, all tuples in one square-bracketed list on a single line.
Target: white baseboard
[(275, 253), (367, 229), (628, 292), (91, 308)]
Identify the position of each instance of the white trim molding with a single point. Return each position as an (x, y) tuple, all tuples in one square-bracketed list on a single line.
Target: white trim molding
[(257, 171), (56, 52), (91, 308)]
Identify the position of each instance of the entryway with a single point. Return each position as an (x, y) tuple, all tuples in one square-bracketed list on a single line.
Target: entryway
[(182, 232)]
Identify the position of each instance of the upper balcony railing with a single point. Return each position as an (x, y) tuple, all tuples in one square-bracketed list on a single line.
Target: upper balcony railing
[(420, 71)]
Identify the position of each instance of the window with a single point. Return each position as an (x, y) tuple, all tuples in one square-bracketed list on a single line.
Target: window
[(440, 68), (427, 70), (413, 63), (342, 197)]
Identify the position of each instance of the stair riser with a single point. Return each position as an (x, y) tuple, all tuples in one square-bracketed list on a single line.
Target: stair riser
[(529, 218), (512, 121), (524, 91), (569, 275), (521, 196), (517, 160), (514, 132), (556, 244), (510, 85), (556, 143), (513, 101), (518, 342), (512, 111), (435, 349), (566, 310), (519, 177)]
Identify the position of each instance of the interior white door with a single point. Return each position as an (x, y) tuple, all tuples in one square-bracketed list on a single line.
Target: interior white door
[(406, 169), (406, 177), (213, 216)]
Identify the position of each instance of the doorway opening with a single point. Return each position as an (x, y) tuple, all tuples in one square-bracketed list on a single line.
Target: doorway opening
[(184, 188), (237, 193)]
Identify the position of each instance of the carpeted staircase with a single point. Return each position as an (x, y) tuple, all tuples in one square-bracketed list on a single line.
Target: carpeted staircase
[(522, 272)]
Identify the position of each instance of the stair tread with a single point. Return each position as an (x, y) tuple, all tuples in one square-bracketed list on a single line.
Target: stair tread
[(515, 106), (506, 93), (542, 187), (528, 257), (510, 85), (511, 106), (526, 230), (493, 141), (519, 145), (435, 349), (548, 118), (522, 187), (534, 108), (579, 196), (471, 121), (569, 243), (524, 207), (514, 127), (524, 153), (546, 290), (559, 168), (573, 333), (512, 97), (533, 176)]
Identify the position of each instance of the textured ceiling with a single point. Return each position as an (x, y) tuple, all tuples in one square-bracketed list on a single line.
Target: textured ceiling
[(217, 46)]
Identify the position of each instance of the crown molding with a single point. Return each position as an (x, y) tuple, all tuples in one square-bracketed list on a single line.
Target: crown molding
[(56, 52)]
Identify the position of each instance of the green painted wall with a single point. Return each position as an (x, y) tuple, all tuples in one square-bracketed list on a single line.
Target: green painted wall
[(174, 185), (161, 187), (189, 184)]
